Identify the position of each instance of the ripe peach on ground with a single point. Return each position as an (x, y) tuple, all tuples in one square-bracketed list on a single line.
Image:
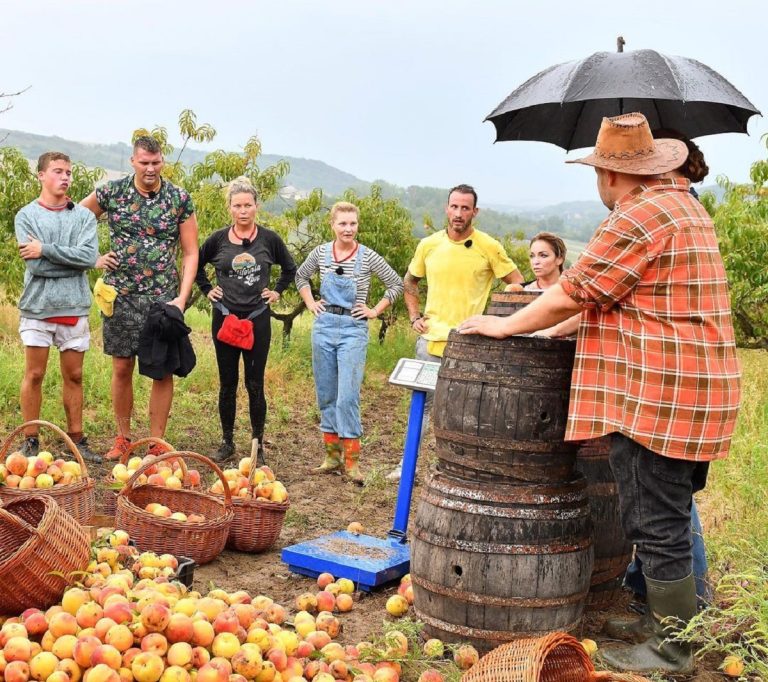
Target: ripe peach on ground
[(101, 673), (107, 654), (35, 623), (306, 602), (102, 627), (465, 656), (89, 614), (84, 649), (431, 675), (434, 648), (155, 643), (396, 606), (355, 528), (211, 607), (325, 601), (338, 669), (209, 673), (225, 645), (329, 623), (333, 651), (324, 579), (226, 621), (175, 673), (72, 669), (64, 646), (397, 644), (58, 676), (129, 655), (147, 667), (344, 602), (732, 666), (275, 614), (180, 628), (63, 624), (16, 671), (119, 637), (318, 639), (179, 654), (202, 633), (247, 662), (221, 663), (268, 673), (279, 659), (17, 649), (155, 617), (42, 665), (200, 656), (118, 611), (288, 641), (386, 673), (323, 677), (304, 650)]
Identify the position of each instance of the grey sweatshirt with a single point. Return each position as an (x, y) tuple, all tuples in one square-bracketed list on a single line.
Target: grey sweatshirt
[(56, 284)]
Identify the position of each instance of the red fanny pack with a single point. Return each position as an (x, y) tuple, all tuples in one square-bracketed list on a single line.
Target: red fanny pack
[(234, 331)]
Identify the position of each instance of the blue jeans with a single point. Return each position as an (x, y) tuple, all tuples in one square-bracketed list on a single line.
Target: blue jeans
[(655, 495), (339, 346), (634, 580)]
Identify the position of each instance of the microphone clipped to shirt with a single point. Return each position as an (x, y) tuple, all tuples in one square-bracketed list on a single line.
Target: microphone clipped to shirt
[(70, 205), (468, 244)]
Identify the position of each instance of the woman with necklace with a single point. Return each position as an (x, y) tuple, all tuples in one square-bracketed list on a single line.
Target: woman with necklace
[(340, 332), (547, 259), (243, 254)]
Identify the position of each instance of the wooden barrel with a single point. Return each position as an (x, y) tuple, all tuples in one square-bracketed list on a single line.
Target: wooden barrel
[(495, 562), (500, 409), (612, 549), (508, 302)]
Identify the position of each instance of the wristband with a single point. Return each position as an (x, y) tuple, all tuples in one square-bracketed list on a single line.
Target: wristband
[(415, 319)]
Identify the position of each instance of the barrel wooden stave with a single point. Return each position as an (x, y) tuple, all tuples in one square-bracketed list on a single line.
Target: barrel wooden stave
[(501, 407), (491, 563), (507, 302), (612, 549)]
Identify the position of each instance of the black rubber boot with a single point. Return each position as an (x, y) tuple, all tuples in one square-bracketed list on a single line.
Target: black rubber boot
[(630, 629), (86, 453), (225, 452), (671, 605)]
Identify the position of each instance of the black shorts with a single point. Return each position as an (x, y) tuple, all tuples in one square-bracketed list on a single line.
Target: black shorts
[(121, 331)]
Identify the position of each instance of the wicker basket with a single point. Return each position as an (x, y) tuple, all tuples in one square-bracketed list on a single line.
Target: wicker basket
[(201, 541), (37, 538), (257, 524), (556, 657), (79, 498), (109, 498)]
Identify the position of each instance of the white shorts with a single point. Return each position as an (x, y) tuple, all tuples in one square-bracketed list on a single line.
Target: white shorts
[(44, 334)]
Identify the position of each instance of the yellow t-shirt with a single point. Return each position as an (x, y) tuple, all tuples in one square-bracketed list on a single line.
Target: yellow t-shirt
[(459, 279)]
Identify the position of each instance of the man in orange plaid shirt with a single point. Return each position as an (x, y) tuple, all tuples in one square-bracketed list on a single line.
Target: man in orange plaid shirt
[(655, 365)]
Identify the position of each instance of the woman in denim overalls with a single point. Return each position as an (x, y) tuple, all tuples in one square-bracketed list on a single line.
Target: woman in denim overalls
[(340, 333)]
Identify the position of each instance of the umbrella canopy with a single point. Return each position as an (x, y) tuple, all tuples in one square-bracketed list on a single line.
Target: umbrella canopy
[(566, 103)]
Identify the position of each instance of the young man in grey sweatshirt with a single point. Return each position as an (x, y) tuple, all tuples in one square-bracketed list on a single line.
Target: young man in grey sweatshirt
[(58, 243)]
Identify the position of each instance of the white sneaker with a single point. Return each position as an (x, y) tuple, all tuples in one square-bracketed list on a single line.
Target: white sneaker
[(396, 473)]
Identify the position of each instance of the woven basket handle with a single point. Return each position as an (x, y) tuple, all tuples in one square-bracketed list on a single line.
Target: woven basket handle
[(39, 422), (17, 521), (608, 676), (181, 453), (252, 470), (149, 441)]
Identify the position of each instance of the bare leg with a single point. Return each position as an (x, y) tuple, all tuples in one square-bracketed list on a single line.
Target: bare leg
[(160, 400), (71, 363), (122, 393), (31, 395)]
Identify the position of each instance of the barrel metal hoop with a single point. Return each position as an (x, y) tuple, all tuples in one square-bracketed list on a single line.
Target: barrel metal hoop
[(530, 380), (496, 548), (534, 514), (536, 493), (488, 600), (494, 635), (497, 443)]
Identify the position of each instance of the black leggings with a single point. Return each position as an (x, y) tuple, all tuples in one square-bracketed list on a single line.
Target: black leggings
[(255, 360)]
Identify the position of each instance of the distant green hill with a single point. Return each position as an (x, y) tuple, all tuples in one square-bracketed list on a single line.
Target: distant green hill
[(305, 174)]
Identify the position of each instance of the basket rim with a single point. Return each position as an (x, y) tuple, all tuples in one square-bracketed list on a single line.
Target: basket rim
[(9, 439)]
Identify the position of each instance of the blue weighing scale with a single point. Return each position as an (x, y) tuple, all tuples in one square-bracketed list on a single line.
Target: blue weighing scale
[(368, 561)]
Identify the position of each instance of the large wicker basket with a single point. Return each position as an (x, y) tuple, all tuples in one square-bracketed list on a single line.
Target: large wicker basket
[(257, 524), (556, 657), (112, 487), (40, 545), (202, 541), (79, 498)]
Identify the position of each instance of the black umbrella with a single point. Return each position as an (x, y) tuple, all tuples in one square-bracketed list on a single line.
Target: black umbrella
[(566, 103)]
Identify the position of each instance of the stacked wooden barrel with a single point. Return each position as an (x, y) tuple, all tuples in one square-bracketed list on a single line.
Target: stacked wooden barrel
[(501, 545)]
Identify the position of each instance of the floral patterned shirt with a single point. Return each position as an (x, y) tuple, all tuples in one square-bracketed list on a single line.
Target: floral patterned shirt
[(144, 234)]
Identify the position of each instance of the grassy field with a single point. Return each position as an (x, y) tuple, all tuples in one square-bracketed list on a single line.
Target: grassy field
[(734, 506)]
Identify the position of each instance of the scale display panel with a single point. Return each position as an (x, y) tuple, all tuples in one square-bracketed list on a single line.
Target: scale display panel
[(418, 375)]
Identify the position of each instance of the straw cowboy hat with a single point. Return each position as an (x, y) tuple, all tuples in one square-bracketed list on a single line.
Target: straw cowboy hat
[(625, 145)]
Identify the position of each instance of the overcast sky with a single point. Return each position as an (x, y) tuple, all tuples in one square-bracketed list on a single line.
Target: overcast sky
[(379, 88)]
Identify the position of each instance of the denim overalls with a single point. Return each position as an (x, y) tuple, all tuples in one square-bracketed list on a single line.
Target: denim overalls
[(339, 345)]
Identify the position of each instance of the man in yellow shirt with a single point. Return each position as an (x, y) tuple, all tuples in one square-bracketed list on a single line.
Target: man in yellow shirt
[(460, 264)]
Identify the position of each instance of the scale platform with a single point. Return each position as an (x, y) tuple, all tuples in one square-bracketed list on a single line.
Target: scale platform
[(367, 561)]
